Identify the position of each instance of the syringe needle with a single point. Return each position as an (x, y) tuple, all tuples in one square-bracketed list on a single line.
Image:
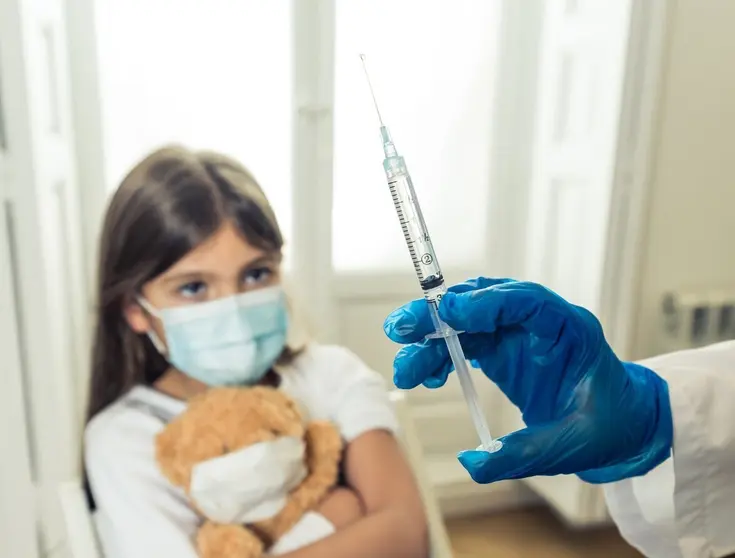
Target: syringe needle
[(370, 85)]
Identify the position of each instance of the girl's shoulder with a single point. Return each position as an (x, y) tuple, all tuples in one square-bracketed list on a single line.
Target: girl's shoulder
[(335, 362), (333, 383), (128, 425)]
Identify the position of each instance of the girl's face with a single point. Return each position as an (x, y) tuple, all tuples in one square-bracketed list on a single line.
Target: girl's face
[(222, 266)]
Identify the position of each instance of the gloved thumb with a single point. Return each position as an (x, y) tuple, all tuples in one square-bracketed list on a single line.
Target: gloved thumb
[(537, 450)]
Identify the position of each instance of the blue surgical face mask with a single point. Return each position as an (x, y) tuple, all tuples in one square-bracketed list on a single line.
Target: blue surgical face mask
[(229, 341)]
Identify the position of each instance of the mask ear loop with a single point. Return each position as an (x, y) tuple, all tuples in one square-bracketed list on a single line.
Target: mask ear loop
[(152, 335)]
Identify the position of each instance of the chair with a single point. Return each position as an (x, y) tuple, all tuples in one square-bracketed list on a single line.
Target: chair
[(82, 540), (439, 538)]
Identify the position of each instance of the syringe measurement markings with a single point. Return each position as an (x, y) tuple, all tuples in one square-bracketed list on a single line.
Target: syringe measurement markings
[(402, 218), (406, 234)]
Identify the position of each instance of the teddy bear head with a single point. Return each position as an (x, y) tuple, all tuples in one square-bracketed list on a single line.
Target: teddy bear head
[(223, 420)]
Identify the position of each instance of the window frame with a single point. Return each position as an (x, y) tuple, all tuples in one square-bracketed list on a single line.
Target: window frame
[(313, 181)]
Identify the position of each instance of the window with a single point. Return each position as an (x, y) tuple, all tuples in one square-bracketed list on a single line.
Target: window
[(432, 65), (214, 75)]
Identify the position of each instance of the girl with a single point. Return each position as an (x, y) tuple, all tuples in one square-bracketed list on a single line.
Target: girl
[(185, 235)]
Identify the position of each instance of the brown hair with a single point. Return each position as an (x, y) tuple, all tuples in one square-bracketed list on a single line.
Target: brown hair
[(169, 203)]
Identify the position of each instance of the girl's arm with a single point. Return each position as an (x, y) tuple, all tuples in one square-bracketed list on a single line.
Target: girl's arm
[(394, 524), (341, 507), (139, 515)]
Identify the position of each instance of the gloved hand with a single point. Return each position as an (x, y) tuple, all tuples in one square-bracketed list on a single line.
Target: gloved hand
[(586, 411)]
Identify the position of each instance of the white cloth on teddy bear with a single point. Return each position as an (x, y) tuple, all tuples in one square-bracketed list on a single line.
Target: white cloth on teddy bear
[(250, 484)]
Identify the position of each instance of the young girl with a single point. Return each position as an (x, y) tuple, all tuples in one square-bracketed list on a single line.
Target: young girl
[(187, 234)]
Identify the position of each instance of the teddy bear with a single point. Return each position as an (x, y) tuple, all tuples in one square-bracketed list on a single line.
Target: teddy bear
[(227, 422)]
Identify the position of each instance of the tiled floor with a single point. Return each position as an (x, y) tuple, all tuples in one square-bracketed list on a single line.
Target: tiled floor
[(533, 533)]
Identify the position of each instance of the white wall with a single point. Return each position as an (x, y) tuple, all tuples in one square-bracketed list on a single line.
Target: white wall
[(691, 214)]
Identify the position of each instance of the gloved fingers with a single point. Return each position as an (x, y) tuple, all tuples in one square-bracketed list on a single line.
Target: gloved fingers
[(428, 361), (547, 449), (439, 378), (531, 306), (411, 322), (501, 358), (478, 283)]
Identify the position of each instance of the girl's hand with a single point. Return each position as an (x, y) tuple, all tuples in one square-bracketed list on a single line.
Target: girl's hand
[(341, 507)]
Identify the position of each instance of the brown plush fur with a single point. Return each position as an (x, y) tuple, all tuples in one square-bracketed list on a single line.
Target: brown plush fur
[(227, 419)]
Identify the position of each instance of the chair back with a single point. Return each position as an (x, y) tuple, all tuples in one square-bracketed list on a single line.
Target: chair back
[(81, 536), (439, 538)]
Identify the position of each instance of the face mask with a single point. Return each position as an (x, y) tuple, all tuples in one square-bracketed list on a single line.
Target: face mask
[(251, 484), (229, 341)]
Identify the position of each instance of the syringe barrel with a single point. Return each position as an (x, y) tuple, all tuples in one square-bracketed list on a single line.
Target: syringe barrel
[(413, 225)]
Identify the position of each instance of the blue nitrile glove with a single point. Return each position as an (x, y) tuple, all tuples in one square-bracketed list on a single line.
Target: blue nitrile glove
[(586, 411)]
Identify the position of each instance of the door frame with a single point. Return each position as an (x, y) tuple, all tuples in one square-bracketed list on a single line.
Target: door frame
[(637, 139), (313, 32), (18, 470), (40, 192), (91, 192)]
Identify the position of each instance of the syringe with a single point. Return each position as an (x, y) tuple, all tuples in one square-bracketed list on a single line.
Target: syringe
[(427, 268)]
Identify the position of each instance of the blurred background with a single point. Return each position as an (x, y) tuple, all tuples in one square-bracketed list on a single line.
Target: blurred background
[(586, 144)]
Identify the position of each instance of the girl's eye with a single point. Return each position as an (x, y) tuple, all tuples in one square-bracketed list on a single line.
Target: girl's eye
[(193, 289), (257, 276)]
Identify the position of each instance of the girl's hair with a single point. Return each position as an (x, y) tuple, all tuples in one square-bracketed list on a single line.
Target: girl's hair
[(168, 204)]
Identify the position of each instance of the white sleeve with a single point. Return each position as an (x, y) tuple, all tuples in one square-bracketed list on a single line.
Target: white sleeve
[(358, 395), (139, 514), (684, 508), (312, 527)]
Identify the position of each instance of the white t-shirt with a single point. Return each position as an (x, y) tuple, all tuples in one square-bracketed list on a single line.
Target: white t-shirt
[(141, 515)]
